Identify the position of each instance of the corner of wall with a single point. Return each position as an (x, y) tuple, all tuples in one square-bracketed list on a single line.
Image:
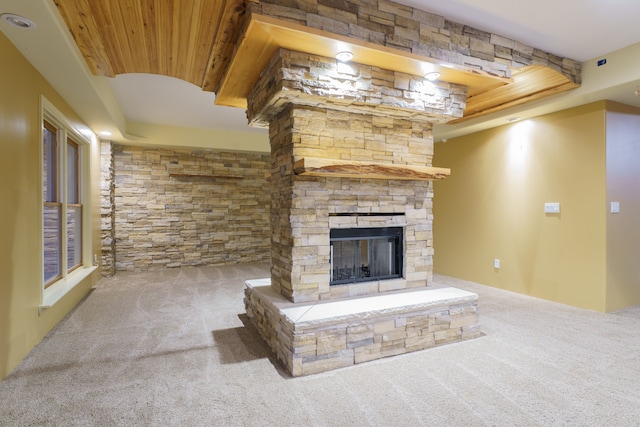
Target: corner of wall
[(623, 187), (492, 207)]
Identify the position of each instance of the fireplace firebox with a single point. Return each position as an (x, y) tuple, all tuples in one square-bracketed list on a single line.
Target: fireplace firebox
[(365, 254)]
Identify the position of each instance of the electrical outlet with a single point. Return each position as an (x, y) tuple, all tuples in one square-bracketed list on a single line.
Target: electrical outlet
[(496, 263)]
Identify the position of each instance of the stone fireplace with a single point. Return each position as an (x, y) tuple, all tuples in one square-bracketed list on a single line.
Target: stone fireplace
[(351, 154)]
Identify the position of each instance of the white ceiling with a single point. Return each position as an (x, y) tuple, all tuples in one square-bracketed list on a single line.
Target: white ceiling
[(151, 98), (583, 30), (576, 29)]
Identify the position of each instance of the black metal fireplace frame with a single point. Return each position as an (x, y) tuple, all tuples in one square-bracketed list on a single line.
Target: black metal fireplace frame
[(395, 234)]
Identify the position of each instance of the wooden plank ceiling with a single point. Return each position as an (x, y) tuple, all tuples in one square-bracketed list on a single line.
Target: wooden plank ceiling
[(187, 39), (200, 41)]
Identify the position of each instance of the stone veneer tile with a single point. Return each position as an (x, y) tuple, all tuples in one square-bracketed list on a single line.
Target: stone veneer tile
[(416, 31), (313, 339), (316, 109), (107, 209), (166, 221), (303, 79), (301, 206)]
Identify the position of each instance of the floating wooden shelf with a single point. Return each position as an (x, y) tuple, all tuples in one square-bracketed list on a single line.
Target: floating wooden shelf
[(370, 170), (197, 175)]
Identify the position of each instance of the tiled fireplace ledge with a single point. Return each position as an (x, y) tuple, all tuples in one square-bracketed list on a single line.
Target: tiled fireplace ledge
[(313, 338)]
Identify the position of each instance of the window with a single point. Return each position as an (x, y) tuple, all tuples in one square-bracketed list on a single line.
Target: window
[(52, 210), (74, 207), (62, 196)]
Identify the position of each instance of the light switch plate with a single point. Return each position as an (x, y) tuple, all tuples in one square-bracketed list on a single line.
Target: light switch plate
[(553, 208), (615, 207)]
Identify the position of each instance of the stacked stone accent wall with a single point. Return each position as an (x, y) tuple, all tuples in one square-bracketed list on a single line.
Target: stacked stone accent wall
[(416, 31), (183, 207), (107, 209)]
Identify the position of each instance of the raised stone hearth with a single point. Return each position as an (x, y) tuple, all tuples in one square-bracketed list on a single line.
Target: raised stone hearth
[(312, 338), (351, 149)]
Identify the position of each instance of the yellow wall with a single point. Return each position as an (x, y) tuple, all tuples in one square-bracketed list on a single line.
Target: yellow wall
[(21, 327), (492, 206), (623, 186)]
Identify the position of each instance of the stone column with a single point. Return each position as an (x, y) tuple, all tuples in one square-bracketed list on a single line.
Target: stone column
[(318, 108), (107, 208)]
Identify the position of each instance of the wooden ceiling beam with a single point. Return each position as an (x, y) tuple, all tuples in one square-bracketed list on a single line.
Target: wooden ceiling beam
[(530, 83)]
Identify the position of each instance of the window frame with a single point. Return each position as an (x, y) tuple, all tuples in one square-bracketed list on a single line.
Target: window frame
[(70, 276), (80, 197)]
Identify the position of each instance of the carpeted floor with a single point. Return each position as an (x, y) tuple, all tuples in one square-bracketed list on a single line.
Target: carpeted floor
[(170, 348)]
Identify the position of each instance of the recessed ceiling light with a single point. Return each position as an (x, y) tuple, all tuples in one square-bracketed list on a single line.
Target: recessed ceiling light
[(432, 76), (105, 133), (344, 56), (18, 21)]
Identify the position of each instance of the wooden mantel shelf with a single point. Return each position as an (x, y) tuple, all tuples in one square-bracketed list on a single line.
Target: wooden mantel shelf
[(200, 175), (370, 170)]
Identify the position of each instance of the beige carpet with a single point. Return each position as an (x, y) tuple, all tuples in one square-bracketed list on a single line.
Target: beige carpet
[(170, 348)]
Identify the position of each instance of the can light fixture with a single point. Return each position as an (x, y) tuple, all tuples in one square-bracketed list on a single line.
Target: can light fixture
[(432, 76), (18, 21), (344, 56)]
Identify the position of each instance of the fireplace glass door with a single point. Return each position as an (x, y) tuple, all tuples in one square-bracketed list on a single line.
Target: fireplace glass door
[(365, 254)]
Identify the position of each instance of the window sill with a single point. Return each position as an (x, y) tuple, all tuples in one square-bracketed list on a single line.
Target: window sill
[(55, 292)]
